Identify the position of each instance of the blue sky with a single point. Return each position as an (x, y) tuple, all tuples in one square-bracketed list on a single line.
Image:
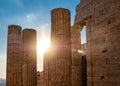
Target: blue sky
[(28, 14)]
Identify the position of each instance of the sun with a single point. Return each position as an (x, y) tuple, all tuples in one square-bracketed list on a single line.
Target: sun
[(42, 46)]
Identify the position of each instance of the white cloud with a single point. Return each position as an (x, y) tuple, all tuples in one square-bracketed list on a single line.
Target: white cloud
[(18, 3), (2, 66), (30, 18)]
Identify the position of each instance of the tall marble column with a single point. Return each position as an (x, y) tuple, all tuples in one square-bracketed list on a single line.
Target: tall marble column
[(30, 57), (14, 59)]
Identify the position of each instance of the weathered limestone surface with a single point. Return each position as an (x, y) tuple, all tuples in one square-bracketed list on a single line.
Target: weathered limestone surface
[(14, 59), (76, 77), (83, 48), (47, 60), (102, 19), (40, 78), (29, 57), (59, 66)]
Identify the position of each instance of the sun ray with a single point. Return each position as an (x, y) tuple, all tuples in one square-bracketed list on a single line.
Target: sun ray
[(42, 45)]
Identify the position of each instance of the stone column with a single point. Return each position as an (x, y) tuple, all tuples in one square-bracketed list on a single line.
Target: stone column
[(14, 59), (60, 64), (30, 57), (76, 56), (46, 67)]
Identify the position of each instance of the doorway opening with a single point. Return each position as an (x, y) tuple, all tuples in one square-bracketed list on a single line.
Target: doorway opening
[(83, 37)]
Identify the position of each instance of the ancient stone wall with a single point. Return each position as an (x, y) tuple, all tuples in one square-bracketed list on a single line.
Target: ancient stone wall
[(40, 78), (102, 19), (83, 49)]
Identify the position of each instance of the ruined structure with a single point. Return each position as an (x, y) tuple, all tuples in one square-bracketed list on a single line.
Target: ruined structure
[(64, 65), (46, 74), (83, 49), (57, 69), (30, 57), (40, 78), (21, 57), (102, 21), (14, 58), (76, 56)]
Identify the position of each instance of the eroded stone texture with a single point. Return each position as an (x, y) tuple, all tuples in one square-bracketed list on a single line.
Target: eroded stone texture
[(40, 78), (102, 19), (46, 74), (14, 59), (29, 55), (76, 77), (59, 66), (83, 49)]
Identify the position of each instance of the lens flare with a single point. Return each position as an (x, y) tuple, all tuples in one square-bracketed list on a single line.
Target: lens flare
[(42, 46)]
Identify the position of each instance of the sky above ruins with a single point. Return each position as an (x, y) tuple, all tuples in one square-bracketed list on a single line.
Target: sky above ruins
[(29, 14)]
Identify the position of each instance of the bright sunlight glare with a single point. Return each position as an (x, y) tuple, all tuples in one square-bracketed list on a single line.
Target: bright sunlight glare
[(42, 46)]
